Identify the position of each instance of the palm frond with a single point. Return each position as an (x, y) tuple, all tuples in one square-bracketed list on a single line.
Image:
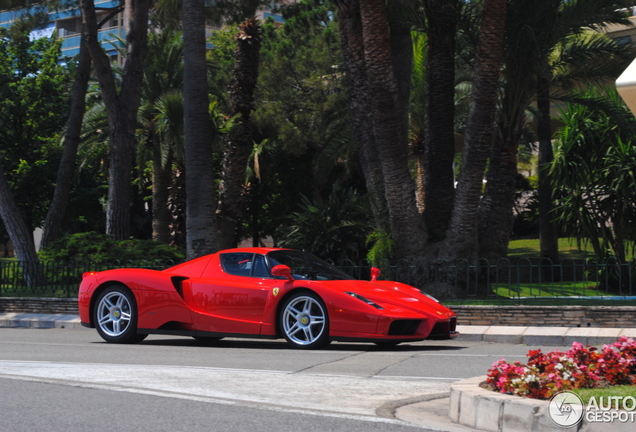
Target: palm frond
[(587, 56), (577, 15), (169, 121)]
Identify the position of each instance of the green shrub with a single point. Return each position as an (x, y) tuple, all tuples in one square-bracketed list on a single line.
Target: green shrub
[(92, 246)]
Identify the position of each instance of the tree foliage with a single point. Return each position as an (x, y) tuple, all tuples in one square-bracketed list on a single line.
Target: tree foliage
[(594, 176), (334, 229), (33, 109)]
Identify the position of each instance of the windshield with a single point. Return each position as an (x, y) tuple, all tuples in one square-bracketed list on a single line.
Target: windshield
[(306, 266)]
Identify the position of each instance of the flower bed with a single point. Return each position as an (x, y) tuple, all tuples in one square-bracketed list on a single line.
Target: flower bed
[(580, 367)]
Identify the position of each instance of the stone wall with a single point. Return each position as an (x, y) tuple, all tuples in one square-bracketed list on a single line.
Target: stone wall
[(39, 305), (547, 316)]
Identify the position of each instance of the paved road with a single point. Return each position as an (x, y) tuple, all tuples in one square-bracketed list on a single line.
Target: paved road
[(55, 378)]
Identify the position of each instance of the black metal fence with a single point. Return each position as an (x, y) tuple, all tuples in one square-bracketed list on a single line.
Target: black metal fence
[(522, 279), (503, 279), (54, 279)]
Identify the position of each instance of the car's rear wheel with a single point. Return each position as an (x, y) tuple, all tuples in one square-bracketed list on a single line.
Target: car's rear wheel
[(115, 316), (304, 321)]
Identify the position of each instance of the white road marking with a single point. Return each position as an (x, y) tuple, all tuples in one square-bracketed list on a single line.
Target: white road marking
[(343, 395)]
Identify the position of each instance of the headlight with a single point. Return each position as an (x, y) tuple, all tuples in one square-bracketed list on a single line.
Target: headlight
[(364, 299)]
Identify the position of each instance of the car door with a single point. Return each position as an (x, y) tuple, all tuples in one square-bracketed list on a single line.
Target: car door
[(233, 301)]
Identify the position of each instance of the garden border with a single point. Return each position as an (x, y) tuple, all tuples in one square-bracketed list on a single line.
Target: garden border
[(476, 407)]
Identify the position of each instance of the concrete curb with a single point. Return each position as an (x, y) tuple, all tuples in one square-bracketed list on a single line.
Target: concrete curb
[(551, 336), (475, 407), (59, 321)]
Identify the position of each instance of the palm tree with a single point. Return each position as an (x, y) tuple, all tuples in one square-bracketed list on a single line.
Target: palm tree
[(352, 47), (121, 103), (408, 229), (586, 57), (534, 36), (461, 240), (167, 157), (240, 138), (439, 139), (162, 101), (593, 174), (200, 185)]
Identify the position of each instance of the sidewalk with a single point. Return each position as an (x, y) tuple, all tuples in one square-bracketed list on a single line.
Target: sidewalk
[(552, 336), (17, 319)]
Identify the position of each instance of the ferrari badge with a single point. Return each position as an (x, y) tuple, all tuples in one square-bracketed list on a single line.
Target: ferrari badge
[(275, 292)]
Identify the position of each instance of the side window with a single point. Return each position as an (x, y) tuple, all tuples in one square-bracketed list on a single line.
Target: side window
[(260, 268), (245, 264), (239, 264)]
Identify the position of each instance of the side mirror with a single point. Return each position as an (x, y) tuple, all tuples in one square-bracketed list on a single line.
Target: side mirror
[(282, 270), (375, 273)]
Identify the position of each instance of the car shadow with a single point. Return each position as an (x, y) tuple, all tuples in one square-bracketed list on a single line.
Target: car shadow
[(282, 345)]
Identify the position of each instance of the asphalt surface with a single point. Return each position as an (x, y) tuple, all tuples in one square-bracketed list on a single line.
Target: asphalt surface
[(428, 412)]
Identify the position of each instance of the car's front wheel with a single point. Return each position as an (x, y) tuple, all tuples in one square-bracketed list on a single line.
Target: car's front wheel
[(304, 321), (115, 316)]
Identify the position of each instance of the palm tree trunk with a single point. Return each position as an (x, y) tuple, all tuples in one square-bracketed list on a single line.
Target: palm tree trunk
[(408, 230), (177, 207), (548, 233), (66, 170), (240, 141), (200, 187), (462, 240), (161, 179), (402, 54), (495, 211), (352, 47), (439, 141)]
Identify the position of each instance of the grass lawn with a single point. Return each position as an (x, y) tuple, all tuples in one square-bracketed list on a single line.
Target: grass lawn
[(568, 249), (544, 293), (607, 392), (577, 288)]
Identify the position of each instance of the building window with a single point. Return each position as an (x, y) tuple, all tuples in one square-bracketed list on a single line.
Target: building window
[(623, 40)]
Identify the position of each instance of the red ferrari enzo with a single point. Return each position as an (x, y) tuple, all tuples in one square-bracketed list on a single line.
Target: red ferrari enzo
[(259, 293)]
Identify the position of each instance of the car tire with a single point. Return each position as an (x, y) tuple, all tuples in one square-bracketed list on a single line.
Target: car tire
[(115, 316), (304, 321)]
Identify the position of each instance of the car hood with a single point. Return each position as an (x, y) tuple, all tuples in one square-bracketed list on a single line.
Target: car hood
[(390, 295)]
